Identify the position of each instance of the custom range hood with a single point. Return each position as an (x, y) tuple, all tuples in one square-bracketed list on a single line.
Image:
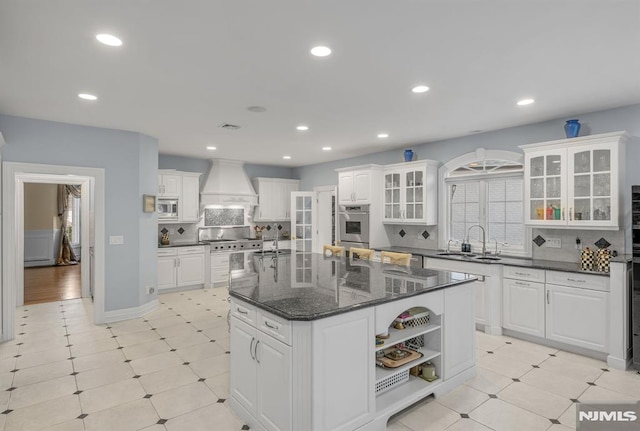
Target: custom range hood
[(227, 185)]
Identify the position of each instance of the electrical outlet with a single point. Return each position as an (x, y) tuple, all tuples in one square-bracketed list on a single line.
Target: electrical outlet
[(150, 290), (116, 240), (554, 243)]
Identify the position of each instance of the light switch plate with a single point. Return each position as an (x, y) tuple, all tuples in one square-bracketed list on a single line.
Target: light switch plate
[(554, 243), (116, 239)]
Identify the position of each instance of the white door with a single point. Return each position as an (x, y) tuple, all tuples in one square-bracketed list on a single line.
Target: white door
[(244, 366), (274, 383), (167, 269), (325, 219), (302, 221), (523, 306), (578, 316), (190, 270)]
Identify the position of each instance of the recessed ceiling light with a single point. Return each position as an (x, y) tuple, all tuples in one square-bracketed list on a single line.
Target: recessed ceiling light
[(211, 148), (87, 96), (302, 128), (383, 135), (286, 157), (320, 51), (525, 102), (326, 148), (420, 89), (108, 39)]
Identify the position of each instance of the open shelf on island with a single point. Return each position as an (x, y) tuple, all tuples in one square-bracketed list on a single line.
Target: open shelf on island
[(414, 388), (399, 335), (427, 355)]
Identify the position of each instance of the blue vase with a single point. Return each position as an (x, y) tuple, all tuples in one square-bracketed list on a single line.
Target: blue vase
[(572, 128), (408, 155)]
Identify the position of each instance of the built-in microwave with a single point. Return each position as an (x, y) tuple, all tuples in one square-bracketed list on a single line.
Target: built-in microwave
[(168, 209)]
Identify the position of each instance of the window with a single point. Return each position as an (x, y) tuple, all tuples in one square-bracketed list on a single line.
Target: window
[(485, 191), (73, 220)]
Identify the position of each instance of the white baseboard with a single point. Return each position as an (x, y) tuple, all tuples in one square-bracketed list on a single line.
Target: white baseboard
[(131, 313), (33, 263)]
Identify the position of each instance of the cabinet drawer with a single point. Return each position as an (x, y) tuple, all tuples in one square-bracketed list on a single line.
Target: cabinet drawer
[(275, 326), (585, 281), (191, 250), (220, 259), (520, 273), (167, 252), (245, 312)]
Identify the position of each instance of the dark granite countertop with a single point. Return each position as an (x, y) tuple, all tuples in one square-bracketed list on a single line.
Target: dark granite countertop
[(310, 286), (183, 244), (511, 261)]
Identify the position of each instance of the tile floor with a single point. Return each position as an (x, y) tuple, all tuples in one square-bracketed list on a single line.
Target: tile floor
[(169, 371)]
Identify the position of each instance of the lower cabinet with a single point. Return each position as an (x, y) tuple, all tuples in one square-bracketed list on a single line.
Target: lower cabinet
[(578, 316), (571, 308), (181, 267), (220, 268), (261, 375)]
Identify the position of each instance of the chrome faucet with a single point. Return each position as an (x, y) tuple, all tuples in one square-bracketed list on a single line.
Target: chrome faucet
[(275, 230), (484, 239), (449, 244), (496, 252)]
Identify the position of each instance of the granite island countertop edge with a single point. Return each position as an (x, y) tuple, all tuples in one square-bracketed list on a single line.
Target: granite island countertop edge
[(325, 314)]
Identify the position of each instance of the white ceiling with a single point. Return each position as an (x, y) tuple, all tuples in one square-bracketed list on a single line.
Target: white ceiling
[(187, 66)]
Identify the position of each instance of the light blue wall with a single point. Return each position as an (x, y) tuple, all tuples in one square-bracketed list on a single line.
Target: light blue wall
[(148, 234), (612, 120), (120, 153)]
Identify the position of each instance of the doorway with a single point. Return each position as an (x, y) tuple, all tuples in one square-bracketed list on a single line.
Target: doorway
[(52, 242), (92, 209), (326, 216)]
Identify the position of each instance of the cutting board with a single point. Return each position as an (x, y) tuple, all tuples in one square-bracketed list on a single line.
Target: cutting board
[(394, 363)]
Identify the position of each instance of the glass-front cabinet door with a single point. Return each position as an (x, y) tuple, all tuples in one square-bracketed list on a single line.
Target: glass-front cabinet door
[(414, 195), (545, 176), (392, 196), (592, 192)]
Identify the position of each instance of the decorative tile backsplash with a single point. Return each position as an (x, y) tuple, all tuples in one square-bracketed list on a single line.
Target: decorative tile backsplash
[(413, 236), (224, 217), (568, 251)]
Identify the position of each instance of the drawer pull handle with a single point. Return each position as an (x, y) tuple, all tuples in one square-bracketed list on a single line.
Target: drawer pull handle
[(522, 283), (524, 274), (256, 352), (576, 281), (242, 311), (270, 325), (548, 297)]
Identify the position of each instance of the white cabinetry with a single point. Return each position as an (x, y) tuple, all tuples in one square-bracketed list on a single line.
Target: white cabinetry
[(274, 198), (261, 375), (575, 182), (357, 185), (523, 300), (410, 192), (578, 315), (169, 184), (181, 267), (571, 308), (220, 268), (189, 201), (185, 188)]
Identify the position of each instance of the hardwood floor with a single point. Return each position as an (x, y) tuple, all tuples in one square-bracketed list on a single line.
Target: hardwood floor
[(52, 283)]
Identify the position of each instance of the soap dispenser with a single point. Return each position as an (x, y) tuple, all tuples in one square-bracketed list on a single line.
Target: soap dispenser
[(466, 247)]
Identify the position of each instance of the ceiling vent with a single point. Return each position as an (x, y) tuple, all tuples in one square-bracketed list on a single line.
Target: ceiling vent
[(228, 126)]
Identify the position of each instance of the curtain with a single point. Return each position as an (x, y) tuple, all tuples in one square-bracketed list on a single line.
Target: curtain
[(66, 256)]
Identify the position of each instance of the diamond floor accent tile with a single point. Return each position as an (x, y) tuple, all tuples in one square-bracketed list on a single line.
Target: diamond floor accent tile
[(77, 392), (245, 427), (6, 412), (493, 396), (161, 421), (555, 421), (464, 416), (148, 396), (83, 415), (221, 400)]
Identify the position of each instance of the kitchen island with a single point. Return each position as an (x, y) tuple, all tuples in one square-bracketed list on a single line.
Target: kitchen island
[(303, 340)]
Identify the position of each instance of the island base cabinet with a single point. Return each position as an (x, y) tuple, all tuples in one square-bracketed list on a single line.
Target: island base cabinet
[(261, 377), (459, 330), (578, 317)]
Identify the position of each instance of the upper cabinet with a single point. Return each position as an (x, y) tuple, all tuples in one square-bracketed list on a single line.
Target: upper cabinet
[(356, 185), (185, 188), (410, 192), (575, 183), (169, 184), (274, 198)]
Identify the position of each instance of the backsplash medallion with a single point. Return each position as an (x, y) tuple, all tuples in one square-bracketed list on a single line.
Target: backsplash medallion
[(224, 217)]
